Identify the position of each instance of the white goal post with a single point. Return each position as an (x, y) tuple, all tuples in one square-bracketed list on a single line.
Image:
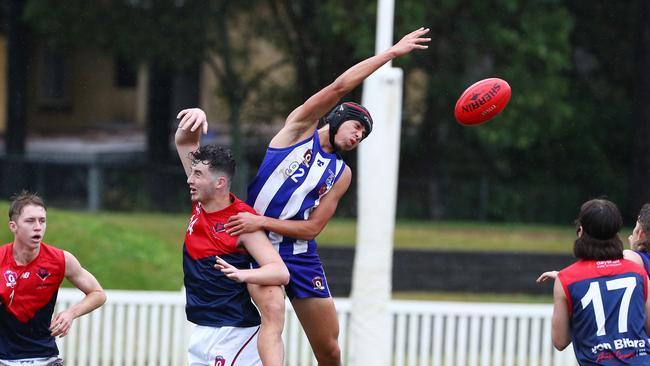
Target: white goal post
[(377, 172)]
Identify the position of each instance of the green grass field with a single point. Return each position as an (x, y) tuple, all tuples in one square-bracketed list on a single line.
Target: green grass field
[(143, 251), (462, 236)]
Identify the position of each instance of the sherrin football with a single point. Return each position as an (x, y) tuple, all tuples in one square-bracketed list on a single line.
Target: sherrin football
[(482, 101)]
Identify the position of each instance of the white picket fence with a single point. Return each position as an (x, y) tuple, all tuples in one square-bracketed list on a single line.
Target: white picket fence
[(138, 328)]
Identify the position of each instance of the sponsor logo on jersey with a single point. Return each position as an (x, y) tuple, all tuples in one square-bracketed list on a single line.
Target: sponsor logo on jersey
[(10, 278), (25, 275), (608, 263), (190, 225), (609, 355), (43, 273), (318, 283), (293, 166)]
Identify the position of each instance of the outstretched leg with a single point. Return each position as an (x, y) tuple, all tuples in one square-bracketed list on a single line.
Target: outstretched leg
[(320, 323), (270, 302)]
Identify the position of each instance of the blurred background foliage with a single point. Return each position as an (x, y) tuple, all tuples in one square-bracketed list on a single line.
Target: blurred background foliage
[(575, 128)]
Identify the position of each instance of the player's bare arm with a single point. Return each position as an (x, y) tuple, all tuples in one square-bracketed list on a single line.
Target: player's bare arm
[(550, 275), (88, 284), (560, 328), (647, 309), (300, 123), (192, 123), (299, 229), (271, 271)]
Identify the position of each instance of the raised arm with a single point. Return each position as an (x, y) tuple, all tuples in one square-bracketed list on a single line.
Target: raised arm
[(301, 123), (188, 134), (560, 327), (299, 229), (271, 270), (647, 309), (87, 283)]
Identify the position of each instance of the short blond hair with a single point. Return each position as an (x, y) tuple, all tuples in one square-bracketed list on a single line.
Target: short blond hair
[(22, 199)]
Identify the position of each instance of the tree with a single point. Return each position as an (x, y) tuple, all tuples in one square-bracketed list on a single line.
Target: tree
[(469, 42), (171, 36), (640, 169), (151, 32), (319, 39), (17, 78), (239, 69), (527, 44), (16, 130)]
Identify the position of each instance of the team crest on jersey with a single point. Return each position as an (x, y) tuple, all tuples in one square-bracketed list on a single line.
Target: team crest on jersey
[(10, 278), (43, 273), (306, 159), (318, 283), (219, 227), (328, 183), (219, 361)]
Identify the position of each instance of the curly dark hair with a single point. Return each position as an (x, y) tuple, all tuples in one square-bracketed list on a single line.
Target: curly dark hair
[(22, 199), (644, 222), (219, 159), (601, 221)]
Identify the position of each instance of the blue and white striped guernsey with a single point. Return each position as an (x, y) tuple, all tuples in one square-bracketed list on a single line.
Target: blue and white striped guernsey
[(289, 184)]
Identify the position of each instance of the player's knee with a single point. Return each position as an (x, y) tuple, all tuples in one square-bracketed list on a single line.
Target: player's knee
[(328, 352), (273, 311)]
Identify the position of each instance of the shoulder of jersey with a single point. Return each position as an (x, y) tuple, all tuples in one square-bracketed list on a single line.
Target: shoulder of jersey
[(243, 206)]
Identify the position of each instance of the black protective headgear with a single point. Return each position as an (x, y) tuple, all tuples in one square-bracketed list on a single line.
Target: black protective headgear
[(348, 111)]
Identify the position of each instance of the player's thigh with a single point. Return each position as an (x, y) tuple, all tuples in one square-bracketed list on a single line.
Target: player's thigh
[(210, 346), (318, 318)]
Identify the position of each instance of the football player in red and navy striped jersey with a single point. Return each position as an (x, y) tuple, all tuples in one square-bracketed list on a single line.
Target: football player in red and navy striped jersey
[(32, 272), (601, 301), (218, 265)]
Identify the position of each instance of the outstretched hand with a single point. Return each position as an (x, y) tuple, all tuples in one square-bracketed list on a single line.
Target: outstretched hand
[(547, 276), (229, 270), (411, 41), (192, 119)]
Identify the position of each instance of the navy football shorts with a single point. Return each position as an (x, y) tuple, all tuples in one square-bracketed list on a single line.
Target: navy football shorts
[(307, 276)]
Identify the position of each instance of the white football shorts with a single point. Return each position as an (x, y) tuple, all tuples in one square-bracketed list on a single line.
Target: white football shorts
[(40, 361), (224, 346)]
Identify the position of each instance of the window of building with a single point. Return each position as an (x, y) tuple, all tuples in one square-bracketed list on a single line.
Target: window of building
[(126, 73), (55, 78)]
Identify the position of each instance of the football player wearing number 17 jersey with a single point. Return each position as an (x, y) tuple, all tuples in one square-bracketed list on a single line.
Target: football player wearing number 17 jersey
[(601, 301)]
